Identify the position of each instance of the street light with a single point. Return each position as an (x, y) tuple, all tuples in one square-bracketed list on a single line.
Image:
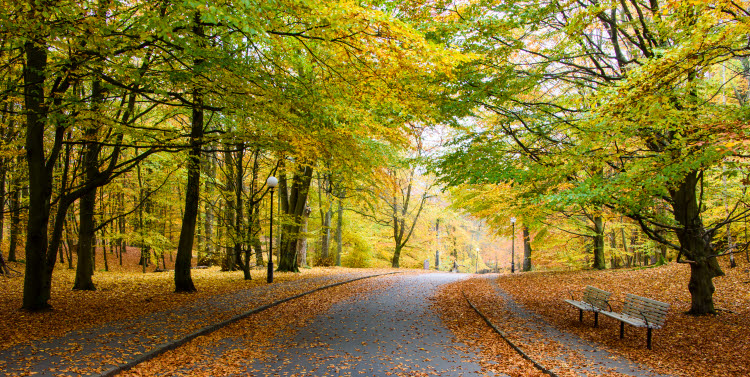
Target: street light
[(271, 182), (513, 246)]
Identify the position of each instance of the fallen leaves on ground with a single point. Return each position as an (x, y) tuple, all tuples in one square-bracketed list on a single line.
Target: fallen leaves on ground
[(714, 345), (257, 338), (471, 330), (123, 293)]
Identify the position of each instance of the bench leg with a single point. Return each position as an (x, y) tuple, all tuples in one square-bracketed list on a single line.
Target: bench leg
[(648, 338), (580, 315), (596, 319), (622, 330)]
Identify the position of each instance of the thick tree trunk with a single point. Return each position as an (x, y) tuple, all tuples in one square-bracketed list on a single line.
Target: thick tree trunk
[(85, 266), (526, 249), (396, 256), (37, 286), (600, 262), (294, 210), (182, 280), (696, 246), (87, 203)]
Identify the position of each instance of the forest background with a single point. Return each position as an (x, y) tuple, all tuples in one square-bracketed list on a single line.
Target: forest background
[(613, 134)]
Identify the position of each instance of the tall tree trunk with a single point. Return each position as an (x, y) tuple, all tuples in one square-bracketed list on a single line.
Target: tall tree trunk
[(121, 226), (239, 219), (182, 280), (3, 174), (255, 229), (526, 249), (696, 247), (15, 214), (294, 209), (87, 203), (302, 241), (339, 227), (326, 213), (209, 218), (230, 260), (600, 262), (37, 278)]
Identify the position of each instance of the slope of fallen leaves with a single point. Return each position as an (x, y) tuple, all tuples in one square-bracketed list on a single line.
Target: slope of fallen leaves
[(470, 329), (233, 349), (714, 345), (122, 293)]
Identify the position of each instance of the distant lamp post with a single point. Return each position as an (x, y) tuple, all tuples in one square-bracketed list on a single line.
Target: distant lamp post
[(271, 182), (513, 246)]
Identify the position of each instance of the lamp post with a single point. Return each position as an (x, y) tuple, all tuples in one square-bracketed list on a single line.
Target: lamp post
[(271, 182), (513, 246)]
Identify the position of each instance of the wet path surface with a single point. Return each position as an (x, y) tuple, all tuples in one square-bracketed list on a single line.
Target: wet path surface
[(389, 331)]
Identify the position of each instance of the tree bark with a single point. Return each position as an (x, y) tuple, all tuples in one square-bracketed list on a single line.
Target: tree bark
[(15, 213), (294, 209), (37, 284), (396, 256), (600, 262), (230, 260), (696, 245), (326, 213), (182, 280), (302, 241), (526, 249), (339, 226), (208, 222), (87, 203)]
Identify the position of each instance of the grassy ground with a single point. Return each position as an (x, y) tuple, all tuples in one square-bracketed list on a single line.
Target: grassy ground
[(714, 345)]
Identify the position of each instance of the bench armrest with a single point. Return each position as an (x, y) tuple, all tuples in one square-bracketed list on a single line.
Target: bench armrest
[(644, 318)]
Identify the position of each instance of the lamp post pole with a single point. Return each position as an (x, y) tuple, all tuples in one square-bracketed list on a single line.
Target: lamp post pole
[(513, 246), (271, 182)]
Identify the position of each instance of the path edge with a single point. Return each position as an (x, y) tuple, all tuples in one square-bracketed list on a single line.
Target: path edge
[(209, 329), (507, 340)]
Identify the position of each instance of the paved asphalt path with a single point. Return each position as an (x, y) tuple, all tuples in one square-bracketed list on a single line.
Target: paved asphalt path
[(97, 348), (389, 331)]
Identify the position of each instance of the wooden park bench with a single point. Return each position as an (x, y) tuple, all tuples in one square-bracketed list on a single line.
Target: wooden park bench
[(640, 312), (594, 300)]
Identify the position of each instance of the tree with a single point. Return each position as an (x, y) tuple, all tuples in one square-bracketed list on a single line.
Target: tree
[(606, 106)]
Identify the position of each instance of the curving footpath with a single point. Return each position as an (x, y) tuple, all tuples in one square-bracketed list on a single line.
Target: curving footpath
[(116, 346), (573, 354)]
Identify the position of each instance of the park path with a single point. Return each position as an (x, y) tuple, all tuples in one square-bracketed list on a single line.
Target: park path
[(389, 331), (97, 349), (572, 354)]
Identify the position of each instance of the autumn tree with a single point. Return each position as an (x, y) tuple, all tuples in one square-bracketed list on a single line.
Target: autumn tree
[(607, 106)]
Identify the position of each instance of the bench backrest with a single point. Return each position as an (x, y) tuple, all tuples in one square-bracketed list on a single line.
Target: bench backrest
[(654, 311), (596, 297)]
